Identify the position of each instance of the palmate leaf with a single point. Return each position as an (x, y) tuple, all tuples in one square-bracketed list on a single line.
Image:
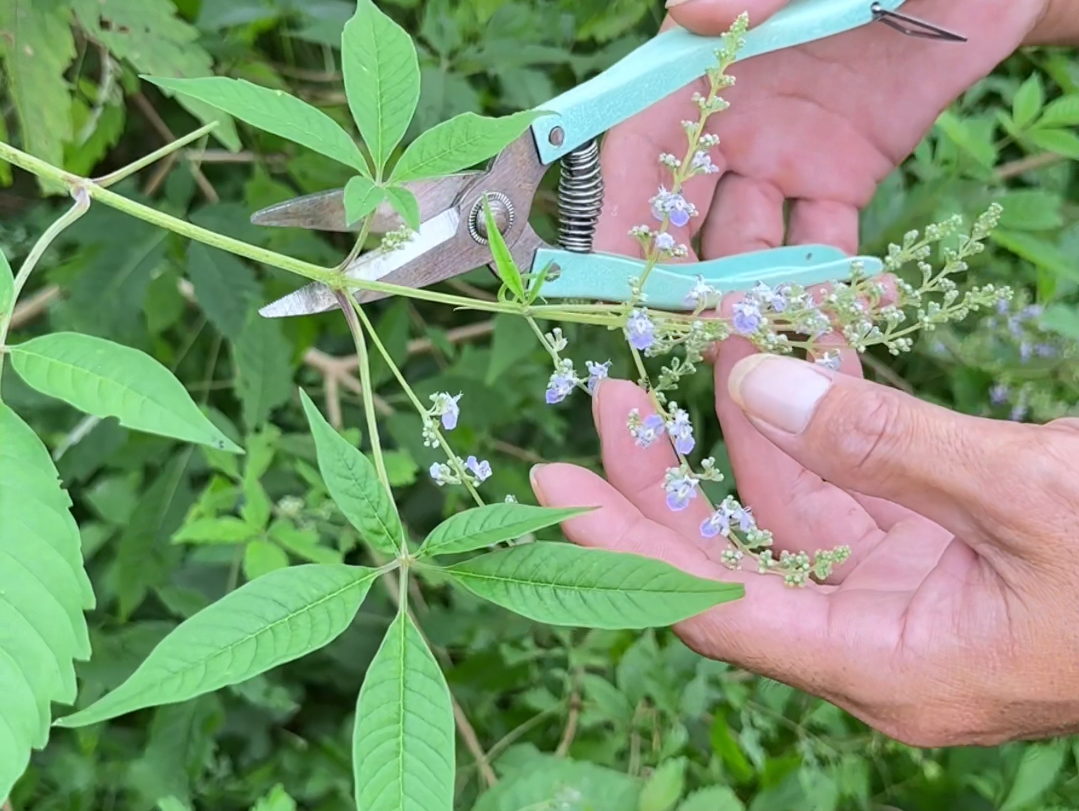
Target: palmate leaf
[(491, 524), (382, 79), (459, 143), (353, 484), (277, 618), (151, 36), (403, 742), (274, 111), (563, 584), (362, 196), (37, 45), (106, 379), (43, 593)]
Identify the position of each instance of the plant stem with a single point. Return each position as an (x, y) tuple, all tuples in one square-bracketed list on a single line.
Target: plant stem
[(126, 171), (78, 208), (413, 398), (346, 301)]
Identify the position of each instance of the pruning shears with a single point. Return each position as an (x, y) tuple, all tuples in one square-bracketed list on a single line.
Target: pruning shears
[(452, 238)]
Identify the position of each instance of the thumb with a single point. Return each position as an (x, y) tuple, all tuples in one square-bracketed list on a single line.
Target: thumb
[(714, 17), (984, 480)]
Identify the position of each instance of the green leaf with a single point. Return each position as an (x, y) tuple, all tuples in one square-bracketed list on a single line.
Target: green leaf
[(665, 787), (225, 288), (274, 111), (1062, 112), (459, 143), (716, 798), (1031, 210), (1038, 251), (382, 79), (1038, 771), (152, 36), (263, 557), (507, 268), (1062, 319), (482, 526), (277, 799), (106, 379), (362, 197), (726, 746), (1028, 101), (37, 45), (226, 529), (404, 203), (264, 623), (403, 742), (353, 484), (7, 288), (1061, 142), (563, 584), (548, 782), (263, 360), (43, 593)]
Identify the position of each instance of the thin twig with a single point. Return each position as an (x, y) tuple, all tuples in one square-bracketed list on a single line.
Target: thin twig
[(1028, 164), (572, 719), (471, 290), (163, 130), (885, 371), (34, 306), (523, 454)]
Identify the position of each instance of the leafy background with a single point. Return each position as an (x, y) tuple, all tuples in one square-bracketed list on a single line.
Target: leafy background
[(570, 720)]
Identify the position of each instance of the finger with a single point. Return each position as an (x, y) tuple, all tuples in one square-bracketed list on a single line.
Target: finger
[(775, 631), (714, 17), (824, 222), (802, 511), (961, 472), (746, 215), (639, 473)]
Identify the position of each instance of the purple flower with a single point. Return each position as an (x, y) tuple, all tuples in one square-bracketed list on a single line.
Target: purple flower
[(446, 407), (665, 242), (701, 292), (1045, 351), (562, 382), (775, 299), (730, 511), (1019, 413), (639, 330), (596, 373), (481, 470), (831, 359), (649, 430), (702, 162), (681, 431), (718, 523), (681, 488), (747, 317), (673, 205), (998, 394), (1025, 352), (441, 474)]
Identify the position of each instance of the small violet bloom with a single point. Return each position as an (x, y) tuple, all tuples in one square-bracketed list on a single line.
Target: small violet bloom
[(665, 243), (442, 474), (639, 330), (562, 382), (648, 431), (702, 162), (681, 431), (718, 523), (729, 512), (481, 470), (681, 488), (999, 394), (747, 317), (446, 408), (673, 205), (596, 373), (701, 292)]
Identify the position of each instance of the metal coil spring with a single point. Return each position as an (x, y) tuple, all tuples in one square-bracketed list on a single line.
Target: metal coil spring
[(580, 198)]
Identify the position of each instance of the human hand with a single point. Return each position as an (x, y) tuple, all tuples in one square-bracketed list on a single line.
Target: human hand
[(956, 620), (819, 125)]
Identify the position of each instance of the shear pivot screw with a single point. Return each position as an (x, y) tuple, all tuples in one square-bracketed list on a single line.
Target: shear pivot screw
[(557, 136), (501, 210)]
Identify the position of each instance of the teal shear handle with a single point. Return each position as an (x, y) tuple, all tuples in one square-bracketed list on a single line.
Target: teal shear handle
[(674, 59), (605, 277)]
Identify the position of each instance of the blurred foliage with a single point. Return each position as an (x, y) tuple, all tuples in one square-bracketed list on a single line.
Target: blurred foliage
[(571, 720)]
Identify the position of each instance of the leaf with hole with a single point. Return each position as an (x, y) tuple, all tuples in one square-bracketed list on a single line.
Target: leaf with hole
[(483, 526), (274, 111), (277, 618), (44, 591), (106, 379), (563, 584), (382, 79), (461, 142), (353, 484), (403, 741)]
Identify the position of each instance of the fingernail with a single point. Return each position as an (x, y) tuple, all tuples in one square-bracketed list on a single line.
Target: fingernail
[(781, 392), (595, 402), (673, 3), (533, 481)]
